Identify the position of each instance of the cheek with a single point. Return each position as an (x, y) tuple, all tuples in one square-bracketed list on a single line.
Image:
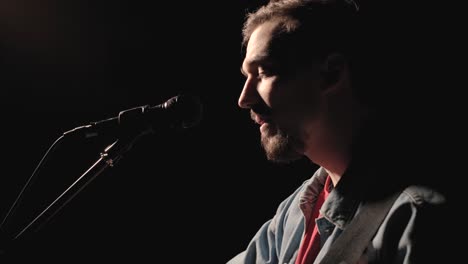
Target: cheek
[(305, 93), (270, 91), (281, 92), (297, 105), (294, 94)]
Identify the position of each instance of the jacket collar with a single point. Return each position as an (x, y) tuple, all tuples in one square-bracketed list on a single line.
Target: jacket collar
[(343, 201)]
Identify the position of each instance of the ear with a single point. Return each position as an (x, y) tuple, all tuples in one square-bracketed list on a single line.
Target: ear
[(332, 69)]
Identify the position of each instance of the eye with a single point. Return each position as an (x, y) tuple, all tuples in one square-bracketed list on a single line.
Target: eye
[(264, 72)]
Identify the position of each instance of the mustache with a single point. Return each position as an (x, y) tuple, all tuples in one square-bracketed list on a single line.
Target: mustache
[(260, 114), (260, 109)]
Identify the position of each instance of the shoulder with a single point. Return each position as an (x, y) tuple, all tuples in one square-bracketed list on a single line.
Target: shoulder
[(425, 234), (412, 228), (415, 205), (417, 201), (423, 195)]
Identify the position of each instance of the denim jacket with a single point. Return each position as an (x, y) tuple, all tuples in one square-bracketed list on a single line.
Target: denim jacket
[(404, 236)]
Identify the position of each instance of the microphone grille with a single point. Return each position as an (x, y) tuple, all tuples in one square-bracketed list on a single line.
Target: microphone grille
[(187, 107)]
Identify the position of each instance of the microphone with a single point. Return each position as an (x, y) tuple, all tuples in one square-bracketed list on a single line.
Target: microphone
[(179, 112)]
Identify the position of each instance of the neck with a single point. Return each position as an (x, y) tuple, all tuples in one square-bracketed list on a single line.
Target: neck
[(332, 150)]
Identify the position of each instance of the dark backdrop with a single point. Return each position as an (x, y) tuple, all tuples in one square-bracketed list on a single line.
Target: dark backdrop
[(194, 196)]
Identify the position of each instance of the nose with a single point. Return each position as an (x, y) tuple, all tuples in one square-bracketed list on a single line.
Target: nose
[(249, 95)]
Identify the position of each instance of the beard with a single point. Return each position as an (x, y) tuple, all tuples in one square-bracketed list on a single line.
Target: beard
[(278, 145)]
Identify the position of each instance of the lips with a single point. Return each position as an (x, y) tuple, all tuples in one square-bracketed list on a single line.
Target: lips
[(259, 119)]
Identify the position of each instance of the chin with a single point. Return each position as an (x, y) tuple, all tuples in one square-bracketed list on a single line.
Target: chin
[(279, 146)]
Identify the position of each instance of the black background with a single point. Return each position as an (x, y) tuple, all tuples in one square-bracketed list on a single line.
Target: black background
[(194, 196)]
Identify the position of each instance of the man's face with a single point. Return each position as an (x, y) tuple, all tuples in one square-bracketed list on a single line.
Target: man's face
[(285, 100)]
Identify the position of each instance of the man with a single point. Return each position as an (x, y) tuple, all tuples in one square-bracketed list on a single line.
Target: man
[(305, 69)]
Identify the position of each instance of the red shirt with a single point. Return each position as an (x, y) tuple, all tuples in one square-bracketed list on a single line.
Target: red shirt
[(310, 245)]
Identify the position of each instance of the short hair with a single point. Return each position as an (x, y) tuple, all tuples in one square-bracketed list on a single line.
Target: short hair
[(318, 28)]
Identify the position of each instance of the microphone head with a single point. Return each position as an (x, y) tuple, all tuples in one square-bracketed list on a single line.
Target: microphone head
[(179, 112), (186, 110)]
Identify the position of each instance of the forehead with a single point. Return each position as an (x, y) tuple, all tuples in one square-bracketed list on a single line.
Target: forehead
[(271, 44), (260, 42)]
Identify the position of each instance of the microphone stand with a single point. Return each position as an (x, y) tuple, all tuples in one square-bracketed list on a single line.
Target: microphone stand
[(108, 158)]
